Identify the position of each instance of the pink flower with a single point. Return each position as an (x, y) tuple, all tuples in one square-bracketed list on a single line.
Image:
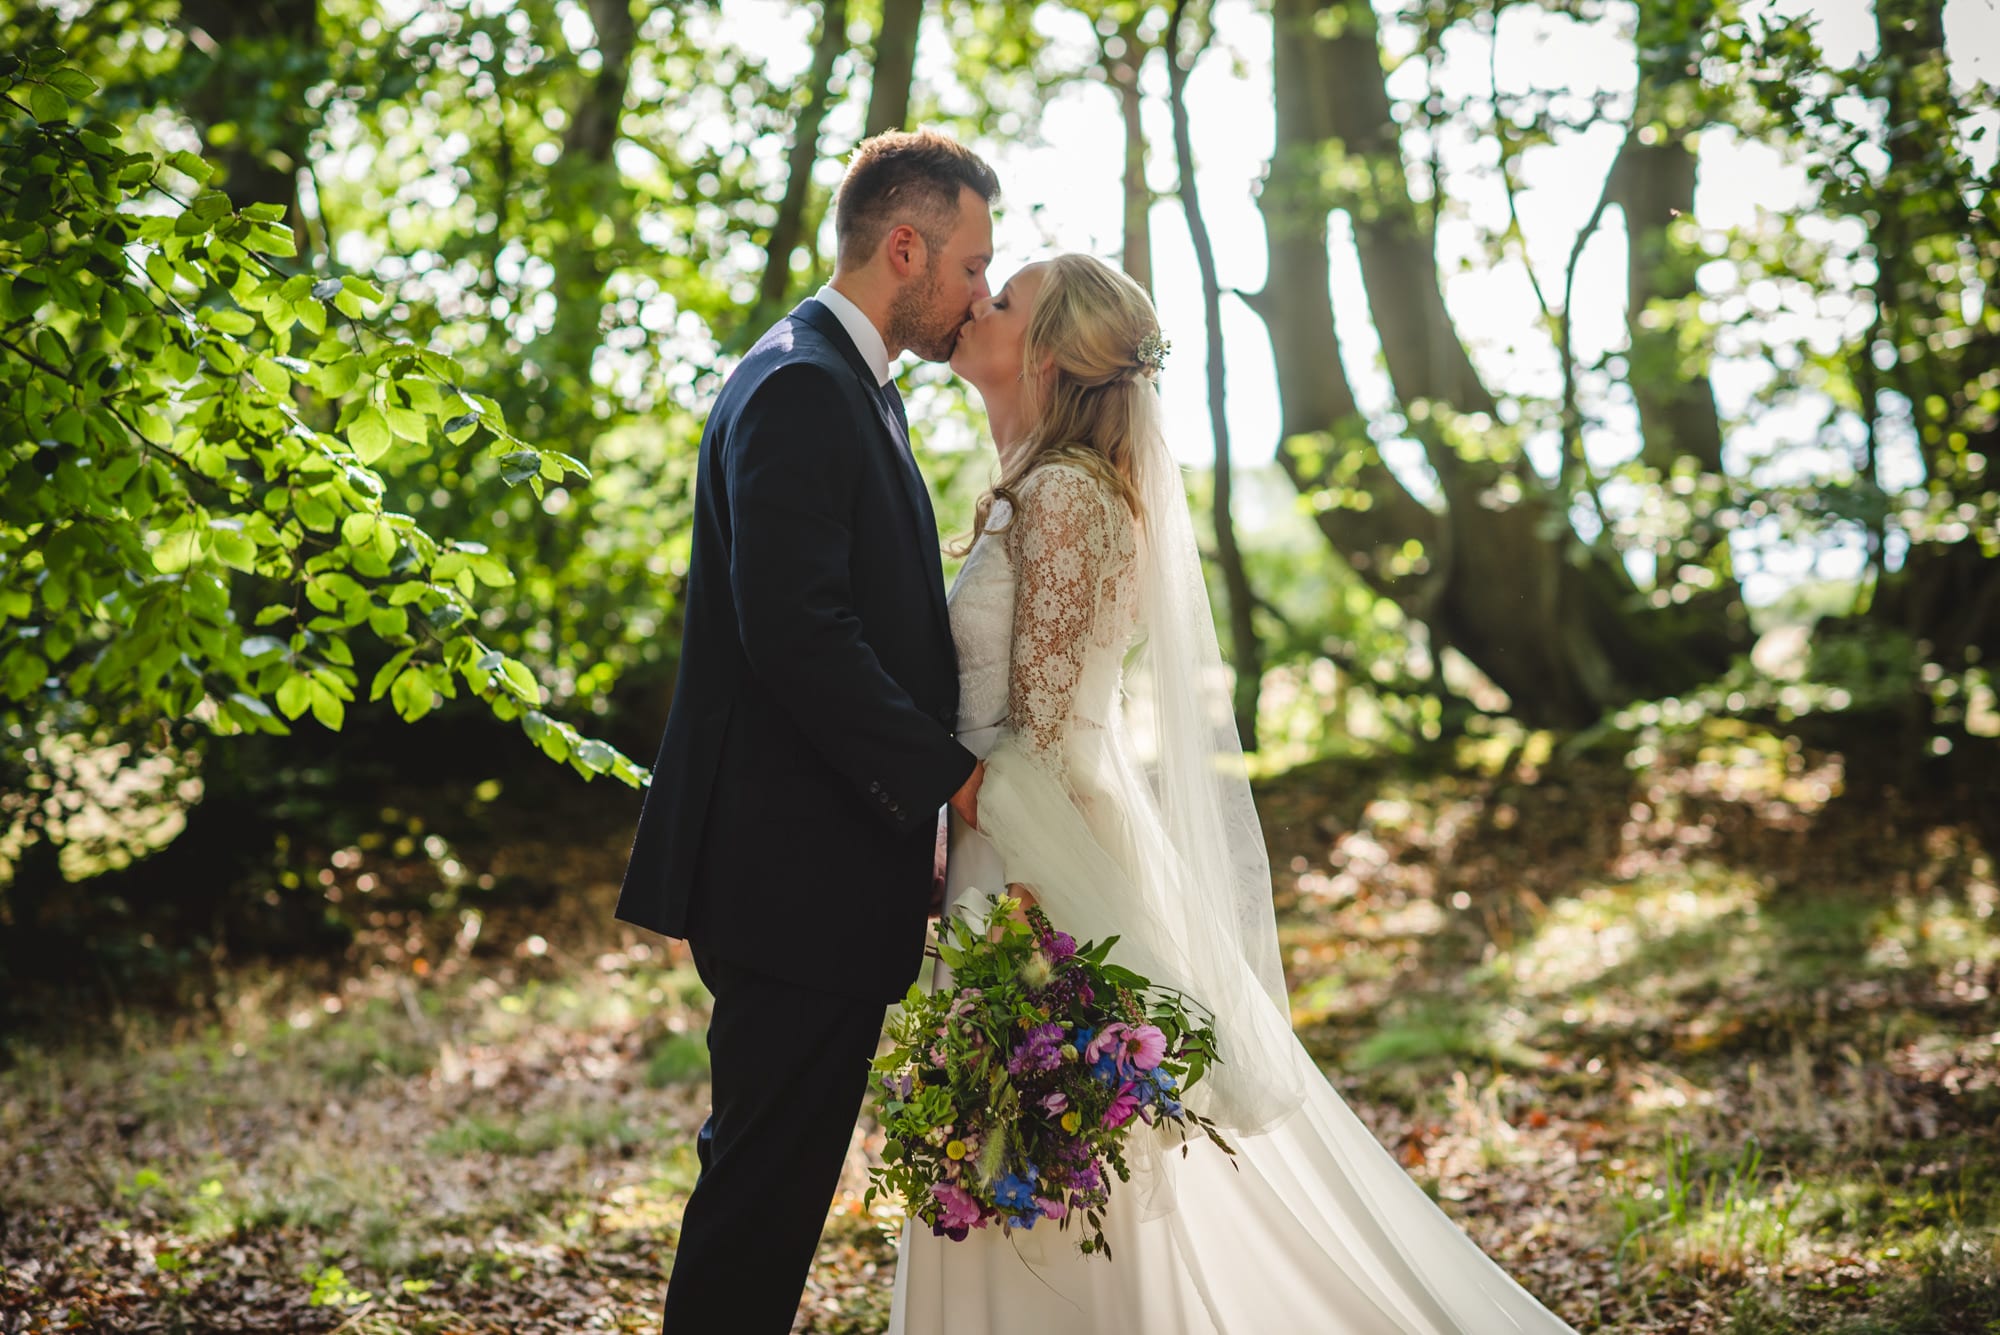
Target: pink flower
[(1134, 1049), (1051, 1209), (1054, 1104), (956, 1207), (1122, 1107)]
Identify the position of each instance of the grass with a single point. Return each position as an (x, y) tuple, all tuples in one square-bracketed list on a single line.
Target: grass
[(1687, 1048)]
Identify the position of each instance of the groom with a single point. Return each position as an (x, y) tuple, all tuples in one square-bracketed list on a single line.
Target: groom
[(790, 829)]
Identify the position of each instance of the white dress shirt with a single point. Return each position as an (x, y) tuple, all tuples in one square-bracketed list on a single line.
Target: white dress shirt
[(867, 338)]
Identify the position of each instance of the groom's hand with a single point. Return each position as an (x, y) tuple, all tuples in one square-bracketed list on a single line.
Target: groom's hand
[(966, 800)]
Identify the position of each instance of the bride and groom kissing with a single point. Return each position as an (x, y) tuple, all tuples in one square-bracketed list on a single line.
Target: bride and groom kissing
[(832, 700)]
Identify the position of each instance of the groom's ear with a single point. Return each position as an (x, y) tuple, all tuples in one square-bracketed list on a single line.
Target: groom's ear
[(907, 253)]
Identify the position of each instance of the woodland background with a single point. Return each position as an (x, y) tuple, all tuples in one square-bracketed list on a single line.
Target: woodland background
[(1612, 581)]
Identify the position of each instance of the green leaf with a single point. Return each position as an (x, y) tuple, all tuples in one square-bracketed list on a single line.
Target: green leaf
[(48, 104), (412, 695), (523, 681), (338, 377), (389, 622), (520, 466), (234, 550), (410, 425), (176, 551), (388, 673), (328, 708), (295, 695), (74, 82), (187, 164), (271, 376), (369, 435)]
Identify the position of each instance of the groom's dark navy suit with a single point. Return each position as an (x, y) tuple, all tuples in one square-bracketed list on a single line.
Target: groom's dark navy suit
[(788, 834)]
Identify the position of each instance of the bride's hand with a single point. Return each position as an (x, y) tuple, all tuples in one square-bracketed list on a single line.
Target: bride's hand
[(1027, 900)]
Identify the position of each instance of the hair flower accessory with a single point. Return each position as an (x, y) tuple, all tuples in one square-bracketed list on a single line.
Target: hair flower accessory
[(1153, 352)]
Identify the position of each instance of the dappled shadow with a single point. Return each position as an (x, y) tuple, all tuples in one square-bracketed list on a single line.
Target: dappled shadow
[(1715, 951)]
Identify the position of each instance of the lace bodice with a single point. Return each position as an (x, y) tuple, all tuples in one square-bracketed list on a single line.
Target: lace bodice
[(1043, 609)]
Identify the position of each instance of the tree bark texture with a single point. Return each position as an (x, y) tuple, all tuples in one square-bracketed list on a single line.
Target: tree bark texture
[(1246, 653), (1501, 577), (895, 66)]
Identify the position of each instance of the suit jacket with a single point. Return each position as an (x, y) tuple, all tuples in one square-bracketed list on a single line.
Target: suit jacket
[(791, 820)]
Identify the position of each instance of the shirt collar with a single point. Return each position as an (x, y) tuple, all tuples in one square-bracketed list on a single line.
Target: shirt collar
[(867, 338)]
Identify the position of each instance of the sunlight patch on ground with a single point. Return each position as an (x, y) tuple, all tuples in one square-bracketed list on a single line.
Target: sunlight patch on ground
[(1602, 928)]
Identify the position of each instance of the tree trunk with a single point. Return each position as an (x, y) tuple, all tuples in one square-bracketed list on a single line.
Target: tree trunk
[(788, 232), (1323, 442), (595, 128), (895, 66), (1121, 56), (588, 185), (1426, 359), (1499, 575), (1246, 653), (255, 56)]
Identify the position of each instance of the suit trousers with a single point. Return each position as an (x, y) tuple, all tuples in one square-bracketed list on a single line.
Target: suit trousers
[(788, 1067)]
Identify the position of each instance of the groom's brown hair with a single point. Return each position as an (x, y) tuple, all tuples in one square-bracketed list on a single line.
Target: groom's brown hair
[(911, 177)]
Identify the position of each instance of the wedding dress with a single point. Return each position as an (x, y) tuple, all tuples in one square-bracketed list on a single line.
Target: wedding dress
[(1312, 1226)]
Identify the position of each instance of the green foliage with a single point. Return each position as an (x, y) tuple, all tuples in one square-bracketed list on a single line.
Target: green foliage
[(194, 515), (677, 1059)]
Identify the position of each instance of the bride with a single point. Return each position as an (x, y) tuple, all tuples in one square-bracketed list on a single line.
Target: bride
[(1114, 796)]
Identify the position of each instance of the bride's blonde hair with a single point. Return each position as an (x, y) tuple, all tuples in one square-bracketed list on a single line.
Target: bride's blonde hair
[(1087, 327)]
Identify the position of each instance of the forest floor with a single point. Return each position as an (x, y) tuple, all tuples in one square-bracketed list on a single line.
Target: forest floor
[(1705, 1044)]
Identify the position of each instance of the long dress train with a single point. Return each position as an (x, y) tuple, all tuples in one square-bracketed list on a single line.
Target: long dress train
[(1313, 1226)]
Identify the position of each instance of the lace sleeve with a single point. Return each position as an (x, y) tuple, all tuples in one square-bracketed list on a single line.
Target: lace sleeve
[(1060, 542)]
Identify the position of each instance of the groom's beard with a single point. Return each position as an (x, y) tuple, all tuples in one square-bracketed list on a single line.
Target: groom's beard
[(917, 324)]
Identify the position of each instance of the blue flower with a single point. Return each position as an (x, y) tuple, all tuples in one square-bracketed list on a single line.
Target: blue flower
[(1105, 1068), (1016, 1193), (1023, 1221)]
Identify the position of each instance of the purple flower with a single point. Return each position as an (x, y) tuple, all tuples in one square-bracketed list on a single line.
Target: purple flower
[(1122, 1107), (1039, 1051), (1059, 945), (1054, 1104)]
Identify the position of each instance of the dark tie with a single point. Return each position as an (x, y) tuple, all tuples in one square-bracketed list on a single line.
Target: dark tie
[(887, 393)]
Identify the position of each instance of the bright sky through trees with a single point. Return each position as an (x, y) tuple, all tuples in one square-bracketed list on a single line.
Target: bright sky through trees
[(1063, 193)]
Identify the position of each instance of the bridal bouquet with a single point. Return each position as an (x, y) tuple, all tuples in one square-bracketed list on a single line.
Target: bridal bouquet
[(1008, 1096)]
